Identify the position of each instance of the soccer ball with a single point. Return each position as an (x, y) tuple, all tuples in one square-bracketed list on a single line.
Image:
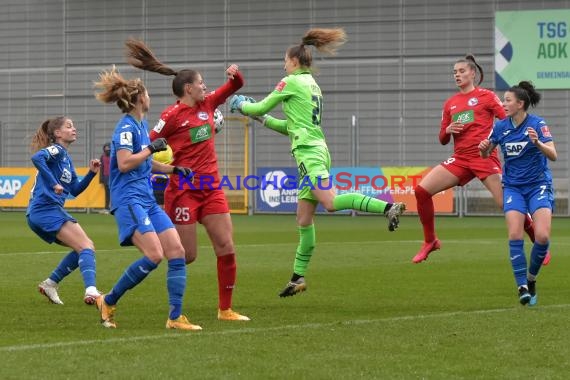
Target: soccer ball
[(218, 121), (165, 156)]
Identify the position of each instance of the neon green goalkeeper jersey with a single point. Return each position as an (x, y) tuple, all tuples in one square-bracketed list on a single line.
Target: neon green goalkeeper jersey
[(302, 105)]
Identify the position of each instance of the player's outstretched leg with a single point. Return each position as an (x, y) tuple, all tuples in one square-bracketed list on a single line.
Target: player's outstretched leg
[(359, 202)]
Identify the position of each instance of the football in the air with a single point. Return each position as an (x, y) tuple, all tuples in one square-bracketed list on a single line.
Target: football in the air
[(218, 121)]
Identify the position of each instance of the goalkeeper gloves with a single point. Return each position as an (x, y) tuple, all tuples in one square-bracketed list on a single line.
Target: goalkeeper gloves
[(158, 145), (186, 172), (236, 102)]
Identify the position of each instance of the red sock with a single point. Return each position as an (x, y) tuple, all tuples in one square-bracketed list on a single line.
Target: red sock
[(226, 280), (529, 227), (426, 213)]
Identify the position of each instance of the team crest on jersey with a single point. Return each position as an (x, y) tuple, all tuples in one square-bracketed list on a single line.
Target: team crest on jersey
[(52, 150), (280, 86), (158, 127), (473, 102), (201, 133), (203, 115), (545, 131)]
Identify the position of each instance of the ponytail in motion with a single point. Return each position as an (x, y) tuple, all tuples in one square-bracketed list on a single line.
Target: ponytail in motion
[(324, 40), (116, 89), (140, 56)]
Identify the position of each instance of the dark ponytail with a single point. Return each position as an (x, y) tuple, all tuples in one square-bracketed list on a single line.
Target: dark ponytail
[(526, 92), (140, 56)]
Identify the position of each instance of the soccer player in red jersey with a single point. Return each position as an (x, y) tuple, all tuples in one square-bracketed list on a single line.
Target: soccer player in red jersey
[(189, 127), (468, 116)]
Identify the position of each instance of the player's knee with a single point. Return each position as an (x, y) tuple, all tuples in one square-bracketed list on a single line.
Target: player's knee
[(190, 256), (224, 247), (421, 194), (86, 244), (304, 220), (177, 251), (329, 206), (155, 256), (541, 237)]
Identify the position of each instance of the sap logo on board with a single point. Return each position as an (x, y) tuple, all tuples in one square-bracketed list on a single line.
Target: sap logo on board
[(10, 185), (514, 149)]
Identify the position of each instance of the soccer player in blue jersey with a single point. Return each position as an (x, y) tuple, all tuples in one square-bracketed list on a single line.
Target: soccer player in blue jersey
[(56, 179), (526, 143), (140, 220)]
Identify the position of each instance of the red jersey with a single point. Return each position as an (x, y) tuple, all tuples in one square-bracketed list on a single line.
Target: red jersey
[(190, 132), (477, 110)]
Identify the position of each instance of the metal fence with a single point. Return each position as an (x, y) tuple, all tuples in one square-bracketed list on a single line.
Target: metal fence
[(238, 156)]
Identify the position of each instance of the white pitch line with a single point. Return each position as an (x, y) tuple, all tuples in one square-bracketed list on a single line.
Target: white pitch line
[(253, 330)]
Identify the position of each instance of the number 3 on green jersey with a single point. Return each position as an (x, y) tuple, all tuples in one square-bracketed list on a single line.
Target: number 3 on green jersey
[(317, 109)]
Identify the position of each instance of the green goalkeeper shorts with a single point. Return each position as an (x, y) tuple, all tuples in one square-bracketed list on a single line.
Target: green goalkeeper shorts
[(313, 165)]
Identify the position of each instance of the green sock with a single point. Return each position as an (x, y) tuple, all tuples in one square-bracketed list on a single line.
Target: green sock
[(304, 249), (359, 202)]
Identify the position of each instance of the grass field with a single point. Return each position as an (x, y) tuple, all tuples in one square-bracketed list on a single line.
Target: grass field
[(368, 312)]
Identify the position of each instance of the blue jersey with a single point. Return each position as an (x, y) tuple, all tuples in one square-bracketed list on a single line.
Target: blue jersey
[(134, 186), (55, 167), (524, 164)]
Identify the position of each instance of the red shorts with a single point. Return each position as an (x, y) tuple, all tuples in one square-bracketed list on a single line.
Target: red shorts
[(467, 168), (191, 206)]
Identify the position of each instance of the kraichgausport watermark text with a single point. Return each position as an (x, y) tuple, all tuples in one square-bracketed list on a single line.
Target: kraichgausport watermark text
[(340, 181)]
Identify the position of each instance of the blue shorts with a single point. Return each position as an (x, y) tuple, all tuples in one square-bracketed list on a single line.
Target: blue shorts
[(528, 199), (47, 221), (135, 217)]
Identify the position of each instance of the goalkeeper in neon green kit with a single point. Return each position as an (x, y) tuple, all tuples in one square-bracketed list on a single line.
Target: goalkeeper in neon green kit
[(302, 104)]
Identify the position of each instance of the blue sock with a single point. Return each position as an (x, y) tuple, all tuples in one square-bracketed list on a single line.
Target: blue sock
[(537, 256), (134, 274), (176, 284), (518, 261), (67, 265), (87, 266)]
